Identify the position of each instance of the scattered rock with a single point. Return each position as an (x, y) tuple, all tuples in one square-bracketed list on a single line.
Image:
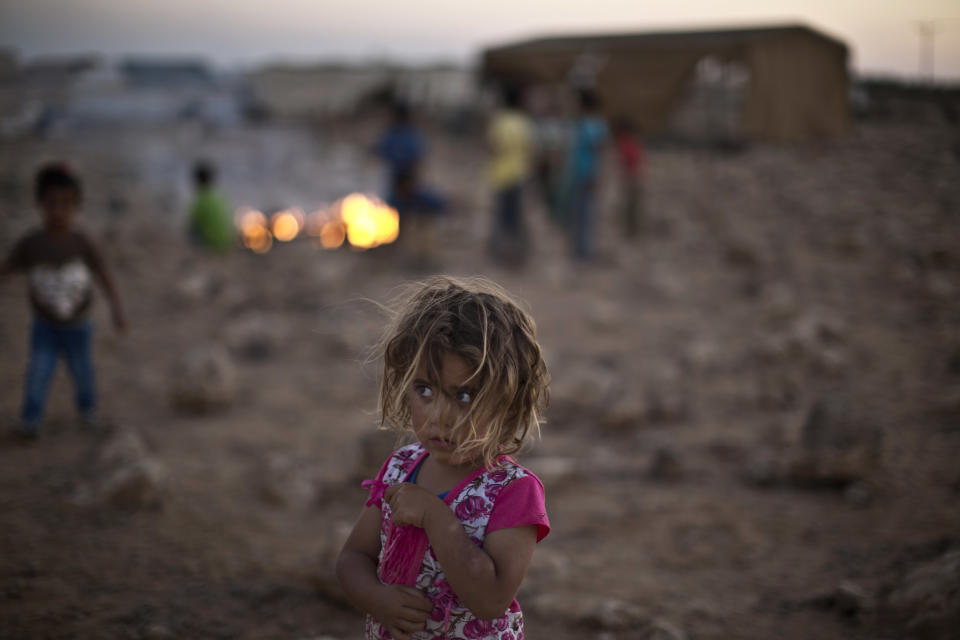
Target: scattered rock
[(940, 286), (581, 389), (667, 402), (742, 253), (953, 362), (558, 274), (777, 390), (158, 632), (123, 475), (204, 380), (662, 630), (848, 599), (616, 614), (839, 445), (656, 402), (765, 470), (780, 301), (594, 612), (813, 328), (197, 287), (135, 486), (628, 411), (926, 603), (665, 465), (289, 480), (830, 360), (814, 337), (702, 356), (125, 447), (256, 336), (668, 284), (604, 315), (859, 494)]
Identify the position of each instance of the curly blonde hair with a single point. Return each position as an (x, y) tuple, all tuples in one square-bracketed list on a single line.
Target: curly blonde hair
[(478, 321)]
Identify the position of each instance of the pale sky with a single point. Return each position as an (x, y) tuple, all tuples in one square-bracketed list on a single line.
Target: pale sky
[(883, 35)]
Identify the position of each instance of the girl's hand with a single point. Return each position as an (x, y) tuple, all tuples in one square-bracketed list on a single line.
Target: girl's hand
[(410, 503), (403, 610)]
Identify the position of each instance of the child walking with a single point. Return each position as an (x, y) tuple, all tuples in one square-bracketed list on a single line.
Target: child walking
[(586, 156), (631, 160), (510, 140), (452, 521), (210, 224), (61, 264), (403, 148)]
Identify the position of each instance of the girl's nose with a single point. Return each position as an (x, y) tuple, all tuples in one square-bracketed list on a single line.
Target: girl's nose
[(445, 413)]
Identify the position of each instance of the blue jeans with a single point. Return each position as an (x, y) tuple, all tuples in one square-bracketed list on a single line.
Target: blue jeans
[(508, 239), (508, 209), (582, 227), (47, 342)]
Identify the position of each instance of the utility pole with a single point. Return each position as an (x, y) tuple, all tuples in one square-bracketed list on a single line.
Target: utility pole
[(927, 30)]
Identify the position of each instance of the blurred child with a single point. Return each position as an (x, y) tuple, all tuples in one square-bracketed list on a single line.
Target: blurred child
[(510, 138), (550, 143), (61, 264), (210, 224), (631, 161), (586, 150), (403, 149), (452, 521)]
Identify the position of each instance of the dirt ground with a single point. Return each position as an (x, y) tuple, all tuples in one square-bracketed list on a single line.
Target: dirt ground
[(755, 418)]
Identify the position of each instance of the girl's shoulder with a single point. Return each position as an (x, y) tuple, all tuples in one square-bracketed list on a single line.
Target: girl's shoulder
[(507, 470), (407, 452), (401, 462)]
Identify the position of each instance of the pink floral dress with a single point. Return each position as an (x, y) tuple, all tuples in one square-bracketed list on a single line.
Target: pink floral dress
[(507, 495)]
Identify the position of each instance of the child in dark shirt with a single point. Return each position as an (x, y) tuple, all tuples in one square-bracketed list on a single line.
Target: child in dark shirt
[(403, 149), (60, 264)]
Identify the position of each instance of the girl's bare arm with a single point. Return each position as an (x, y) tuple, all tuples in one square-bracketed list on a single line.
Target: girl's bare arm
[(403, 610), (485, 579)]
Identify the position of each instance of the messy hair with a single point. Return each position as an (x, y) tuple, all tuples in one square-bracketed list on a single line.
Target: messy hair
[(478, 321)]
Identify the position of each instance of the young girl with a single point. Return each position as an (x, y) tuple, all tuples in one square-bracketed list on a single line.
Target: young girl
[(452, 521)]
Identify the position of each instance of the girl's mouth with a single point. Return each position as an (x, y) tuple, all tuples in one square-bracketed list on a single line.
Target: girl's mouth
[(441, 443)]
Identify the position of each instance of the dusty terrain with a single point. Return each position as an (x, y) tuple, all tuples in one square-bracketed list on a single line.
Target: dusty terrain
[(754, 429)]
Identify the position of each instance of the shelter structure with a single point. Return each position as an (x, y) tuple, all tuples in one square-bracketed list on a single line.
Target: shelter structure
[(779, 83)]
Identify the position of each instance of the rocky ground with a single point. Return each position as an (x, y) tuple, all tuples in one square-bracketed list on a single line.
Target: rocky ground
[(755, 418)]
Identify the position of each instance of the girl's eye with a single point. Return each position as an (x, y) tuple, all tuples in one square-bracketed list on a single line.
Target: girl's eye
[(424, 391), (464, 397)]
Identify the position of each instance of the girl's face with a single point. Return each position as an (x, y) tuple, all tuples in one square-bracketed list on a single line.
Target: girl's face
[(437, 405)]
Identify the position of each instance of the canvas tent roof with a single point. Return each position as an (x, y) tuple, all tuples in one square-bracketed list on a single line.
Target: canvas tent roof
[(797, 87)]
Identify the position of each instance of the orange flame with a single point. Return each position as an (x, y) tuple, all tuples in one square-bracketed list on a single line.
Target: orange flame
[(253, 229), (286, 224), (369, 222), (362, 221), (332, 235)]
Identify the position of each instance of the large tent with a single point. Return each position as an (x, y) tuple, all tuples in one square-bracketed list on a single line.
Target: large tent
[(791, 81)]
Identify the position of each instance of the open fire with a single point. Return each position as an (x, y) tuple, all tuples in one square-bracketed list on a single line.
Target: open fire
[(359, 220)]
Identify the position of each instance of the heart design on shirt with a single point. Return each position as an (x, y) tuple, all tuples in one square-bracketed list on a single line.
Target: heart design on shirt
[(61, 290)]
